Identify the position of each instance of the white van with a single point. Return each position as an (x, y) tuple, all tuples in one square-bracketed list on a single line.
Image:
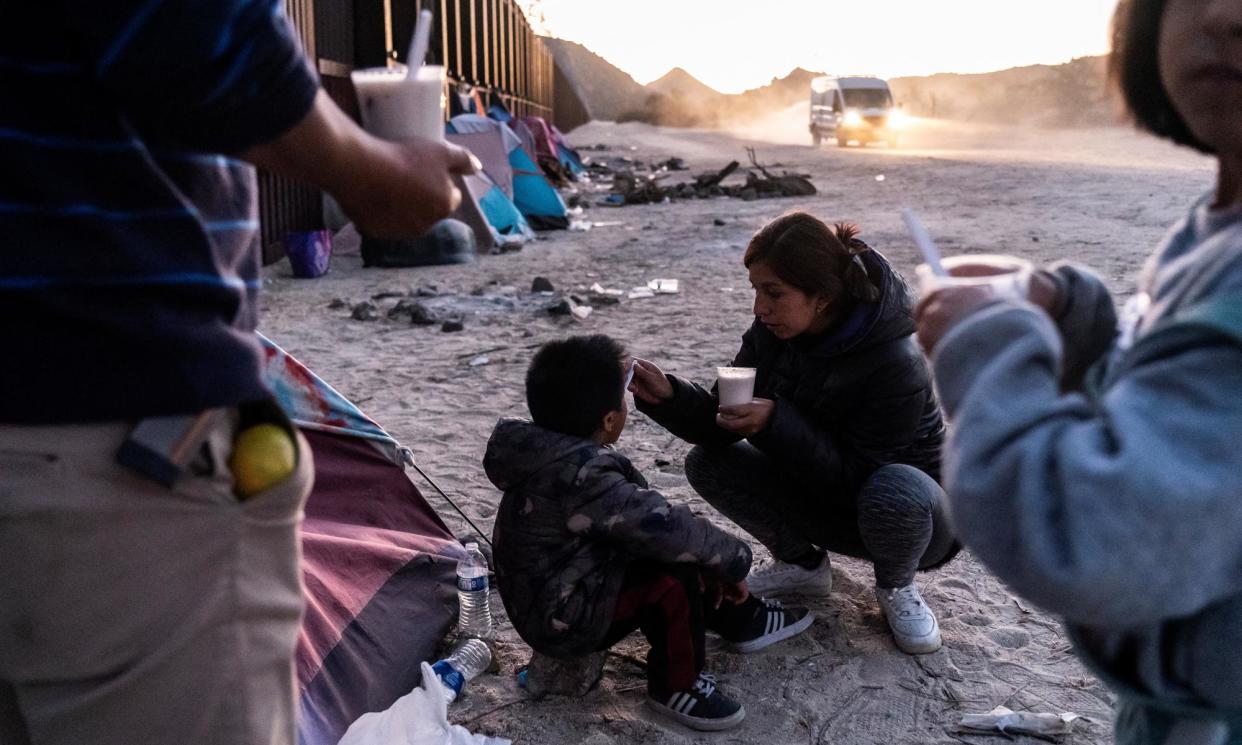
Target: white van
[(855, 108)]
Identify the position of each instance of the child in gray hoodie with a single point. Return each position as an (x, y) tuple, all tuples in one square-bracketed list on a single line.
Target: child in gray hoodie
[(1097, 470), (586, 552)]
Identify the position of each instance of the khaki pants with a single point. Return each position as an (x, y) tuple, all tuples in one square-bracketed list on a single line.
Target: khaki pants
[(138, 615)]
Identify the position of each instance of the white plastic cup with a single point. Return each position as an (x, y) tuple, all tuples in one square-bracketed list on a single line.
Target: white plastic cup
[(396, 106), (1007, 277), (735, 385)]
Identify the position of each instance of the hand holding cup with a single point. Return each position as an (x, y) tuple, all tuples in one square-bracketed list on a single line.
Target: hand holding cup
[(971, 282)]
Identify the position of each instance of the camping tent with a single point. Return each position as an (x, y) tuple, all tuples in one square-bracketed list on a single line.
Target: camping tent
[(535, 198), (377, 561), (550, 144)]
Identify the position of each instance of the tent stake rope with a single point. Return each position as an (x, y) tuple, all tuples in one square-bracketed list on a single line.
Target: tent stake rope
[(453, 504)]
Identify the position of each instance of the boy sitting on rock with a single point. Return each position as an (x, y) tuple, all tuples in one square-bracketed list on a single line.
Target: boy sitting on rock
[(585, 552)]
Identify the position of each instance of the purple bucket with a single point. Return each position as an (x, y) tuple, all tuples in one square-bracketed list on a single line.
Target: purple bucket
[(309, 253)]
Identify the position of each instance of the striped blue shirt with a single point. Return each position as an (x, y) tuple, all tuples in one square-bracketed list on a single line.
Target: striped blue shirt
[(129, 258)]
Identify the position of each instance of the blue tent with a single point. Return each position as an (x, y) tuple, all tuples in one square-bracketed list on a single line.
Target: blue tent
[(534, 196)]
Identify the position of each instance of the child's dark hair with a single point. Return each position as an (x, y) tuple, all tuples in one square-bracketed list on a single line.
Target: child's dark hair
[(1135, 68), (818, 260), (573, 383)]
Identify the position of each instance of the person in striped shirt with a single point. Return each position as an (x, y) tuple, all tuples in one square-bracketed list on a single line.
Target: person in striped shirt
[(137, 611)]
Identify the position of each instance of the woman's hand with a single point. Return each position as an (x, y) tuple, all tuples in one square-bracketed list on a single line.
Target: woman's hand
[(746, 419), (650, 383)]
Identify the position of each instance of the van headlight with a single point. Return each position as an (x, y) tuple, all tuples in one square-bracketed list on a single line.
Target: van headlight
[(897, 119), (852, 118)]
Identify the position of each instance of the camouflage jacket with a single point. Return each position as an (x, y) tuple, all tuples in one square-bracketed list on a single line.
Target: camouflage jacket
[(574, 515)]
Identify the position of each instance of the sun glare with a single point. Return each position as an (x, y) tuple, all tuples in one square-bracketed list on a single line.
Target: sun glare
[(732, 45)]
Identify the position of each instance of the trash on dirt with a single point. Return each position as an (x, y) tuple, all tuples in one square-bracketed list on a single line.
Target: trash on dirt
[(427, 291), (388, 295), (599, 289), (580, 226), (338, 303), (719, 222), (639, 293), (609, 223), (419, 314), (571, 305), (1008, 722), (664, 286), (453, 324), (880, 177), (418, 718), (541, 284), (632, 184), (480, 361), (364, 311)]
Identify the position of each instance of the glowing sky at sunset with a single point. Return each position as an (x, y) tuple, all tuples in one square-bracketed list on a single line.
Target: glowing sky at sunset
[(733, 45)]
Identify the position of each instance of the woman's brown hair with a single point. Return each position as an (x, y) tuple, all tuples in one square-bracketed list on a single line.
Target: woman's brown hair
[(1134, 66), (818, 260)]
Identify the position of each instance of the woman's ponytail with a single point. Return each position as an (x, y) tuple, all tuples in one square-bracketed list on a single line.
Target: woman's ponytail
[(858, 284)]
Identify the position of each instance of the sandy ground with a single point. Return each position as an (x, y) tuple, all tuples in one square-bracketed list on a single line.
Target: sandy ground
[(1103, 197)]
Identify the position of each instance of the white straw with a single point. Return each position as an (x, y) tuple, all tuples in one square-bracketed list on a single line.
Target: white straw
[(923, 239), (419, 43)]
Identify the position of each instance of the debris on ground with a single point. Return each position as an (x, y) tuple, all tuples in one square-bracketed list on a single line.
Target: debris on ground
[(338, 303), (364, 311), (541, 284), (633, 183), (455, 323), (1007, 722), (571, 305)]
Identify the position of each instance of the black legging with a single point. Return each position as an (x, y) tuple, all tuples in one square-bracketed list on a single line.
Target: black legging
[(896, 519)]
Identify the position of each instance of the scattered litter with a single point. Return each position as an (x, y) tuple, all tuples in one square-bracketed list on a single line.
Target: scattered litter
[(338, 303), (480, 360), (639, 292), (580, 226), (719, 222), (427, 291), (452, 325), (571, 305), (664, 286), (880, 177), (541, 284), (1009, 722), (599, 289), (609, 223), (364, 311), (419, 314), (388, 295), (632, 185)]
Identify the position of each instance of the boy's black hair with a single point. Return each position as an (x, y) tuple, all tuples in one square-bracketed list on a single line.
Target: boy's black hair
[(1134, 66), (573, 383)]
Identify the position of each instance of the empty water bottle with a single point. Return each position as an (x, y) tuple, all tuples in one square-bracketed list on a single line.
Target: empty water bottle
[(468, 659), (474, 611)]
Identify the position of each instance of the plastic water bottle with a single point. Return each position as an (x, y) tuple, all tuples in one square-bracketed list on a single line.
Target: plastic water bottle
[(468, 659), (474, 611)]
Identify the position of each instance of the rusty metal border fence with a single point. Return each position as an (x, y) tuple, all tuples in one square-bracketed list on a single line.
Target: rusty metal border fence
[(485, 44)]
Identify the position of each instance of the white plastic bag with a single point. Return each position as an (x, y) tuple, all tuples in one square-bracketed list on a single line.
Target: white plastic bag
[(418, 718)]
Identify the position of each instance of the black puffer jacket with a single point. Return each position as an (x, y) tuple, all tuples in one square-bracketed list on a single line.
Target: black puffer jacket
[(857, 397), (573, 517)]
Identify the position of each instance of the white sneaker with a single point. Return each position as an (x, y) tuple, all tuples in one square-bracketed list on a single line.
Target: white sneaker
[(914, 627), (778, 578)]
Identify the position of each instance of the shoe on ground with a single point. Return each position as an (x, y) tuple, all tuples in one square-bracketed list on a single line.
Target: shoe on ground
[(913, 624), (703, 707), (780, 579), (771, 624)]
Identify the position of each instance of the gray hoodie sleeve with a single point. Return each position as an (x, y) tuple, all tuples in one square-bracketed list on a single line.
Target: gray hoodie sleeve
[(642, 523), (1085, 316), (1120, 512)]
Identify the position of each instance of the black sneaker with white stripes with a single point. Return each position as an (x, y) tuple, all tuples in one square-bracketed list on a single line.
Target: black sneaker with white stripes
[(703, 707), (772, 623)]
